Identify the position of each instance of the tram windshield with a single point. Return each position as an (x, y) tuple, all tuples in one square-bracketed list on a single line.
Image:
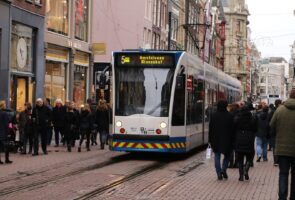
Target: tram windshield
[(143, 89)]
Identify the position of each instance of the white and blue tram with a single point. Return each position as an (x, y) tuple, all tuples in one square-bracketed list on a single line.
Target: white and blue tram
[(162, 100)]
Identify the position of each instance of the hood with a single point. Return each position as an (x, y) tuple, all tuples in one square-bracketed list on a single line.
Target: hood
[(290, 104)]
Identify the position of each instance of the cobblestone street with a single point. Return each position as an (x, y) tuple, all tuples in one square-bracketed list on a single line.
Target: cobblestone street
[(111, 175)]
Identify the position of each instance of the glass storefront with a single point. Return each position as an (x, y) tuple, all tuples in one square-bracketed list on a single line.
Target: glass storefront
[(79, 90), (21, 48), (81, 20), (57, 15), (55, 81)]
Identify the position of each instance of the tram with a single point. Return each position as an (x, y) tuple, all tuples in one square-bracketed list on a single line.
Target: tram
[(162, 100)]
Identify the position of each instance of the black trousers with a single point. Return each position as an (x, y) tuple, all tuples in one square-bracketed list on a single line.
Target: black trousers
[(5, 148), (241, 161), (40, 133), (57, 131), (286, 165), (28, 137), (85, 133)]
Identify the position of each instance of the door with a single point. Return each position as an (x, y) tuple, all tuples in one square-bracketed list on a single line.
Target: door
[(19, 92)]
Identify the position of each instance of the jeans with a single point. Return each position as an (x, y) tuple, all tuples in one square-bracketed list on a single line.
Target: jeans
[(217, 157), (261, 147), (285, 163)]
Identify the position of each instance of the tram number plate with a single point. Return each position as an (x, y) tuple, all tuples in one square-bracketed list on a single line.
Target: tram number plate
[(146, 131)]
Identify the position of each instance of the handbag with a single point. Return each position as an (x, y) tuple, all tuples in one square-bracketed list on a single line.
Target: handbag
[(208, 152)]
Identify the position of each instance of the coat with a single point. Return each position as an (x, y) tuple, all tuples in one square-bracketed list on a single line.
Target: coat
[(41, 117), (283, 121), (58, 116), (86, 120), (3, 125), (221, 133), (262, 124), (102, 120), (245, 127)]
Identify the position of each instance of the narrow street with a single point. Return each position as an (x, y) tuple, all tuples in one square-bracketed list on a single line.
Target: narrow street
[(111, 175)]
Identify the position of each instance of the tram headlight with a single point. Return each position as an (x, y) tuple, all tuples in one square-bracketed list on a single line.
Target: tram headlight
[(163, 125), (118, 123)]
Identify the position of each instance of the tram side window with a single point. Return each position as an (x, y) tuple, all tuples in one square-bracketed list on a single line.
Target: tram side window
[(195, 102), (179, 101)]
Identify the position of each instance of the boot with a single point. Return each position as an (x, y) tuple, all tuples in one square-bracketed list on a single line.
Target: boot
[(79, 149), (69, 148), (247, 166), (102, 146)]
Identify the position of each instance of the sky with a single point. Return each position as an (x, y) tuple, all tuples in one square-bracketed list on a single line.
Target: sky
[(272, 23)]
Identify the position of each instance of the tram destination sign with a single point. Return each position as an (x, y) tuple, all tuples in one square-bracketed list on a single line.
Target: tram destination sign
[(144, 60)]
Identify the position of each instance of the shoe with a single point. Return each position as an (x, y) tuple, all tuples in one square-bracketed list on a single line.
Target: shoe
[(224, 174), (79, 149), (259, 158), (56, 145), (265, 160), (219, 177), (88, 149), (246, 176), (1, 163), (241, 178), (35, 154), (69, 149), (8, 161), (29, 152), (23, 153), (45, 152)]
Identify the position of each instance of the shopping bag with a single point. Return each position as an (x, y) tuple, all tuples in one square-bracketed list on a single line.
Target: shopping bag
[(208, 152)]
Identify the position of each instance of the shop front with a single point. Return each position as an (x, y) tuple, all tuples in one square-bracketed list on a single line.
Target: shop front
[(56, 73)]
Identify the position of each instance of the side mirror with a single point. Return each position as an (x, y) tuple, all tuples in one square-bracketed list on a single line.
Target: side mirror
[(179, 82)]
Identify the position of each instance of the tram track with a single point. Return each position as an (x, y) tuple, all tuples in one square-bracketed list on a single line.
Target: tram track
[(42, 183), (141, 172)]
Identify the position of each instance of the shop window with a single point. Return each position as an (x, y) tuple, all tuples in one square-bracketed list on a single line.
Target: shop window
[(57, 15), (81, 19), (22, 38), (55, 81), (80, 77)]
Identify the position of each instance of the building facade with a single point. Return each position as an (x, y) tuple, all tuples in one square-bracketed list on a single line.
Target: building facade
[(68, 55), (22, 40), (236, 13)]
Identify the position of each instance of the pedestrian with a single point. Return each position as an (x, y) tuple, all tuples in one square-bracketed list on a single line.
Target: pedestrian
[(85, 126), (102, 121), (71, 122), (58, 117), (272, 131), (271, 110), (221, 137), (50, 128), (41, 120), (26, 124), (233, 110), (245, 128), (4, 121), (261, 133), (283, 122)]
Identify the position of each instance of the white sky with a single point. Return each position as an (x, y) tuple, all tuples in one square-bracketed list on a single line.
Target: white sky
[(273, 26)]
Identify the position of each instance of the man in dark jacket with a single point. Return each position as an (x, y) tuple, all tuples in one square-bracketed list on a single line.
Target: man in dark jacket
[(283, 121), (221, 137), (41, 120), (58, 118), (261, 133), (4, 120)]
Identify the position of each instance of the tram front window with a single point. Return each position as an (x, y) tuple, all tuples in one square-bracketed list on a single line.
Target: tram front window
[(143, 91)]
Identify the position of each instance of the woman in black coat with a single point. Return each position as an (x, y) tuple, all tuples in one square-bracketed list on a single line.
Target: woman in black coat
[(221, 137), (4, 121), (85, 126), (70, 125), (102, 121), (245, 128)]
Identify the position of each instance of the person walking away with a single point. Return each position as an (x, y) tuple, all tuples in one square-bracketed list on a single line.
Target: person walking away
[(4, 121), (41, 120), (71, 122), (50, 128), (28, 130), (244, 128), (283, 122), (233, 110), (221, 137), (58, 117), (85, 126), (272, 131), (102, 121), (261, 133)]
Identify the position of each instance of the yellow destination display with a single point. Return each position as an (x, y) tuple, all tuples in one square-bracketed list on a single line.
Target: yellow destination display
[(151, 60)]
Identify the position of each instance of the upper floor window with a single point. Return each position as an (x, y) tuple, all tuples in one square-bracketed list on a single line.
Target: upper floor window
[(81, 19), (57, 16)]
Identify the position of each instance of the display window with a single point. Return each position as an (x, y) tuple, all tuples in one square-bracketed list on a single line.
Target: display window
[(57, 16), (55, 81), (22, 38), (79, 90), (81, 19)]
